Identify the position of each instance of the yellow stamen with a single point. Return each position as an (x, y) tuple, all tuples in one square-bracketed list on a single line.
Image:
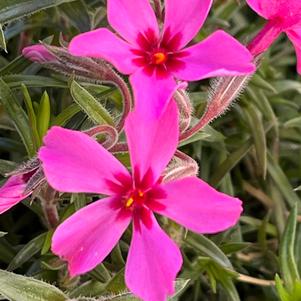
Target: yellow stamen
[(159, 57), (140, 193), (129, 202)]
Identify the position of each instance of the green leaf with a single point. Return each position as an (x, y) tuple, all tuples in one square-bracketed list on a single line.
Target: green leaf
[(19, 64), (282, 182), (232, 160), (66, 115), (258, 133), (2, 39), (19, 288), (6, 166), (90, 105), (31, 116), (289, 270), (283, 294), (47, 242), (14, 81), (43, 116), (18, 116), (295, 122), (78, 15), (208, 248), (180, 286), (14, 9), (233, 247), (260, 82), (27, 252)]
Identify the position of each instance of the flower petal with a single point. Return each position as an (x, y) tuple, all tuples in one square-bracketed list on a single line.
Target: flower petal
[(88, 236), (218, 55), (183, 19), (152, 92), (273, 8), (11, 193), (194, 204), (152, 142), (102, 43), (295, 37), (129, 18), (153, 262), (74, 162), (38, 53), (261, 7)]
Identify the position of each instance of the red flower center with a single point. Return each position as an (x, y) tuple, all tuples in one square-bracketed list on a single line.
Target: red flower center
[(160, 55), (137, 198), (159, 58)]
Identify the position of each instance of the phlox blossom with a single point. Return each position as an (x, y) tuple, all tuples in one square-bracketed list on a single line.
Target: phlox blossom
[(156, 58), (74, 162), (12, 192), (282, 16)]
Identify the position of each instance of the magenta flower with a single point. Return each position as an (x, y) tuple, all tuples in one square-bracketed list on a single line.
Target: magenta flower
[(282, 16), (12, 192), (38, 53), (154, 59), (74, 162)]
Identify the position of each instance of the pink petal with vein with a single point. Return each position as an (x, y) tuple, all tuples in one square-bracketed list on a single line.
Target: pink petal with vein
[(218, 55), (194, 204), (185, 18), (129, 18), (89, 235), (152, 142), (273, 8), (152, 92), (11, 193), (74, 162), (102, 43), (295, 36), (153, 263)]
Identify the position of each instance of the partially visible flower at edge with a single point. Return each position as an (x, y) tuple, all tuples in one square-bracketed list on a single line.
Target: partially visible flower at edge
[(74, 162), (156, 60), (20, 184), (282, 16)]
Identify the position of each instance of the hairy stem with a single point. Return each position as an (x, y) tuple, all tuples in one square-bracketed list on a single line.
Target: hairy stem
[(47, 197), (184, 166), (109, 131)]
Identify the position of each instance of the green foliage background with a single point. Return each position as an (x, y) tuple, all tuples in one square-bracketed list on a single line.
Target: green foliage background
[(252, 151)]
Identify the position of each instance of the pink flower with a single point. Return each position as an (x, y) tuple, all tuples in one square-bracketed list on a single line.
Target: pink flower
[(156, 59), (74, 162), (282, 16), (38, 53), (12, 192)]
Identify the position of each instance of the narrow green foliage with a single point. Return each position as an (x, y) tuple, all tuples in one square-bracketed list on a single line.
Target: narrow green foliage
[(90, 105), (17, 115), (255, 123), (11, 10), (2, 39), (43, 116), (31, 116), (27, 252), (19, 288), (289, 270)]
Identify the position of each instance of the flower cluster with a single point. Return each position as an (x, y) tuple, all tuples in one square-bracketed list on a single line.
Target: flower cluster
[(158, 62)]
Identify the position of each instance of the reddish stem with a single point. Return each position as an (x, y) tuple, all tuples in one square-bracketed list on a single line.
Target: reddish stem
[(228, 88)]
